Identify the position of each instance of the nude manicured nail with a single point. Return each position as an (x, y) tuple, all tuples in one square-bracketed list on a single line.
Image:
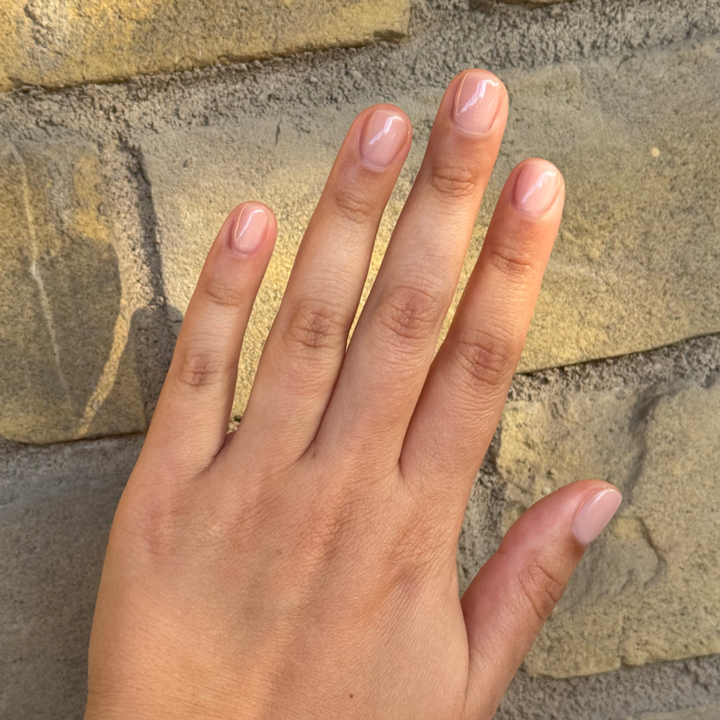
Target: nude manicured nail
[(477, 101), (383, 137), (594, 514), (249, 230), (537, 187)]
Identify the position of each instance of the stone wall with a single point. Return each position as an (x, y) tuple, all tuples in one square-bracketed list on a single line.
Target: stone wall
[(129, 128)]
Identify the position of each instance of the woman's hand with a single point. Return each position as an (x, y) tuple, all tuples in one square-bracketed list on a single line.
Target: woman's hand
[(304, 566)]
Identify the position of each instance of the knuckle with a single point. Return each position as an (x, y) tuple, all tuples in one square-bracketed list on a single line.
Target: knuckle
[(516, 262), (486, 358), (322, 529), (454, 181), (409, 313), (416, 547), (222, 294), (353, 205), (324, 534), (540, 587), (315, 325), (159, 525), (200, 369)]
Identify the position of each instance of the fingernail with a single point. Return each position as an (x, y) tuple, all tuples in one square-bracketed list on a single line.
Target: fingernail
[(594, 514), (249, 230), (477, 101), (537, 186), (383, 137)]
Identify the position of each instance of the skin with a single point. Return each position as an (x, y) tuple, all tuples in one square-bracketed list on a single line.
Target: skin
[(304, 565)]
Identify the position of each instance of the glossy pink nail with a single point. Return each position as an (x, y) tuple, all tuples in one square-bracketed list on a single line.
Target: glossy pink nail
[(477, 101), (249, 230), (594, 514), (537, 187), (383, 137)]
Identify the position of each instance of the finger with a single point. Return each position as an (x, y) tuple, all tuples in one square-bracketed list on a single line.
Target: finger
[(394, 342), (515, 591), (466, 388), (193, 411), (306, 345)]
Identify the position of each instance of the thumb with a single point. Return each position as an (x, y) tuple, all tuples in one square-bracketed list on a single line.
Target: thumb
[(515, 591)]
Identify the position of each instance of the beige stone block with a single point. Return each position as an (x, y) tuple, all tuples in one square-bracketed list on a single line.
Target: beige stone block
[(55, 43), (637, 260), (66, 368), (638, 257), (649, 588)]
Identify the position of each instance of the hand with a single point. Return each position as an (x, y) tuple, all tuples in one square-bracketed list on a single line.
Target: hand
[(304, 566)]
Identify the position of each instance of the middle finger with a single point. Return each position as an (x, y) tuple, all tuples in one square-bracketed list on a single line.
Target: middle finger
[(394, 342)]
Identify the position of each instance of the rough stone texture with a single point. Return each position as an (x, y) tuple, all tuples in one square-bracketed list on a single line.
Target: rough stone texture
[(649, 590), (639, 251), (53, 531), (709, 712), (63, 43), (636, 262), (63, 325), (614, 695), (42, 663), (528, 3)]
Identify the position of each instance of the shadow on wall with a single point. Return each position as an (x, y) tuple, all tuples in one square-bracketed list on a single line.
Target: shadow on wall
[(74, 364), (144, 363)]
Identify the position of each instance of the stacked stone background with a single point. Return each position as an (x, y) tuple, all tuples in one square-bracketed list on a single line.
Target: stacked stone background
[(129, 129)]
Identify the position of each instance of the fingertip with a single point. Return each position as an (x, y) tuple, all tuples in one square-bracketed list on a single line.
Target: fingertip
[(254, 206), (385, 136), (553, 517), (385, 107), (596, 510), (537, 187), (478, 101), (479, 75), (250, 227)]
